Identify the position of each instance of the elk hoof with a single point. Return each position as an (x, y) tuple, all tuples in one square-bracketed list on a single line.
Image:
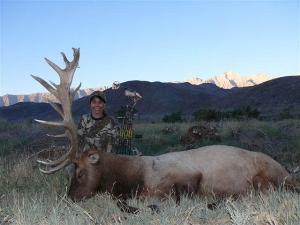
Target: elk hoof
[(213, 206), (154, 208)]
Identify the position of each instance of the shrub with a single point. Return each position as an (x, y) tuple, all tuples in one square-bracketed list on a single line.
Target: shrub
[(217, 115), (173, 117), (207, 115), (286, 114)]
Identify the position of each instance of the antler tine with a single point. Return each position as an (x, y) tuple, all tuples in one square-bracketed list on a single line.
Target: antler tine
[(56, 107), (54, 66), (62, 160), (46, 85), (65, 96), (60, 166), (66, 134), (59, 123), (72, 95), (54, 163)]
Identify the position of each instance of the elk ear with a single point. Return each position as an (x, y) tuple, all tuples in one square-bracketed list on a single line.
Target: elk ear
[(94, 158)]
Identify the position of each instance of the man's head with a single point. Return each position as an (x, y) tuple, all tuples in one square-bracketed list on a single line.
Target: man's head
[(98, 94)]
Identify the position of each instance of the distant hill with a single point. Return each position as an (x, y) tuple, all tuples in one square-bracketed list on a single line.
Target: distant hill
[(226, 80), (159, 99)]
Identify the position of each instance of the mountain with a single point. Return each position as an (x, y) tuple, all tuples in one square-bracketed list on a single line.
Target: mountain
[(159, 99), (231, 79), (8, 99), (270, 97), (226, 80)]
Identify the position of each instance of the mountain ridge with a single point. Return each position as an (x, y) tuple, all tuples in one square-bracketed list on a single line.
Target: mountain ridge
[(226, 80), (159, 99), (9, 99)]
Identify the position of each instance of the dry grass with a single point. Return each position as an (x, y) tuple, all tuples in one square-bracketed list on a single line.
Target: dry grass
[(30, 197)]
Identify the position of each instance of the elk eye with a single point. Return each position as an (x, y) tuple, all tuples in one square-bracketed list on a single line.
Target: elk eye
[(80, 174)]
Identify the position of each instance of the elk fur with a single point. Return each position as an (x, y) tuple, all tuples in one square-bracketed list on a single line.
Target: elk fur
[(218, 170)]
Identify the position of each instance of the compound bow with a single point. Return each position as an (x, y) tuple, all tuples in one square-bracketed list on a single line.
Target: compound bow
[(127, 127)]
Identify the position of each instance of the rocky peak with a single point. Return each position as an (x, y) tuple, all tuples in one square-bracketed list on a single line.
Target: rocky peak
[(230, 79)]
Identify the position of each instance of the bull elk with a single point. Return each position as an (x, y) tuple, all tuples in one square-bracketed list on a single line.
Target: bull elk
[(219, 170)]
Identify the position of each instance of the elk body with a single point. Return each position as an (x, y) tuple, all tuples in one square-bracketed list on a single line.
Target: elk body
[(218, 170)]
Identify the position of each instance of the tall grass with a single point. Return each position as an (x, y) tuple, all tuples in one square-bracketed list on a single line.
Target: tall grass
[(154, 141), (42, 199), (30, 197), (279, 140)]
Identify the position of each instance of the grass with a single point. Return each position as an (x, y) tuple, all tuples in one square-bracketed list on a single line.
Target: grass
[(44, 201), (30, 197)]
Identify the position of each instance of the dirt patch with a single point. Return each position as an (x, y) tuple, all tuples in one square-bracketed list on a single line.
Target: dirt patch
[(200, 133), (197, 133), (167, 130)]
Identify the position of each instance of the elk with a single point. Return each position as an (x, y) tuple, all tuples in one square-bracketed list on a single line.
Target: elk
[(212, 170)]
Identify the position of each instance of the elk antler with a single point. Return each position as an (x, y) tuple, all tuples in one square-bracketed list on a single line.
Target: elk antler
[(65, 97)]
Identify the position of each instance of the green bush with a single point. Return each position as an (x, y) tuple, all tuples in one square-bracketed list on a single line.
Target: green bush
[(286, 114), (173, 117), (217, 115), (208, 115)]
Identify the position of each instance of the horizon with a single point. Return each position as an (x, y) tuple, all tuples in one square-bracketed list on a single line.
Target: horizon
[(146, 40), (189, 80)]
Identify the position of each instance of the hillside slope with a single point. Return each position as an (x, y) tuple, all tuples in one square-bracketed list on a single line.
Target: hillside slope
[(159, 99)]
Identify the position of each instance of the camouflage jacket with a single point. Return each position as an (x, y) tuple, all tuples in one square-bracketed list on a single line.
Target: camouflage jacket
[(103, 133)]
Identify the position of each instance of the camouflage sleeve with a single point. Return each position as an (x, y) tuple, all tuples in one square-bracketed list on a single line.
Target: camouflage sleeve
[(80, 131)]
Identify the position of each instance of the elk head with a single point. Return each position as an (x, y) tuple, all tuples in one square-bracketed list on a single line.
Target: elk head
[(63, 93)]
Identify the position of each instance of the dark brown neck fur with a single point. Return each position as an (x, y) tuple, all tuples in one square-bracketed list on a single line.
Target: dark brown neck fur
[(120, 174)]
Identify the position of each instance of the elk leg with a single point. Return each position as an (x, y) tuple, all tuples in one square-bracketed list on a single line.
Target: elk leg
[(214, 205), (122, 204), (260, 183), (288, 184), (179, 190), (189, 188)]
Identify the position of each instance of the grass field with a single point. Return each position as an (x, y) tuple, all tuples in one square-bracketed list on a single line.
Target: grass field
[(30, 197)]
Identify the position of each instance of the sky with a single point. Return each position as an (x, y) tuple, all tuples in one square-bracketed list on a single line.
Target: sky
[(156, 40)]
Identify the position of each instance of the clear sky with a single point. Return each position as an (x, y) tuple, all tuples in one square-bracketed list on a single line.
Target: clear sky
[(146, 40)]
